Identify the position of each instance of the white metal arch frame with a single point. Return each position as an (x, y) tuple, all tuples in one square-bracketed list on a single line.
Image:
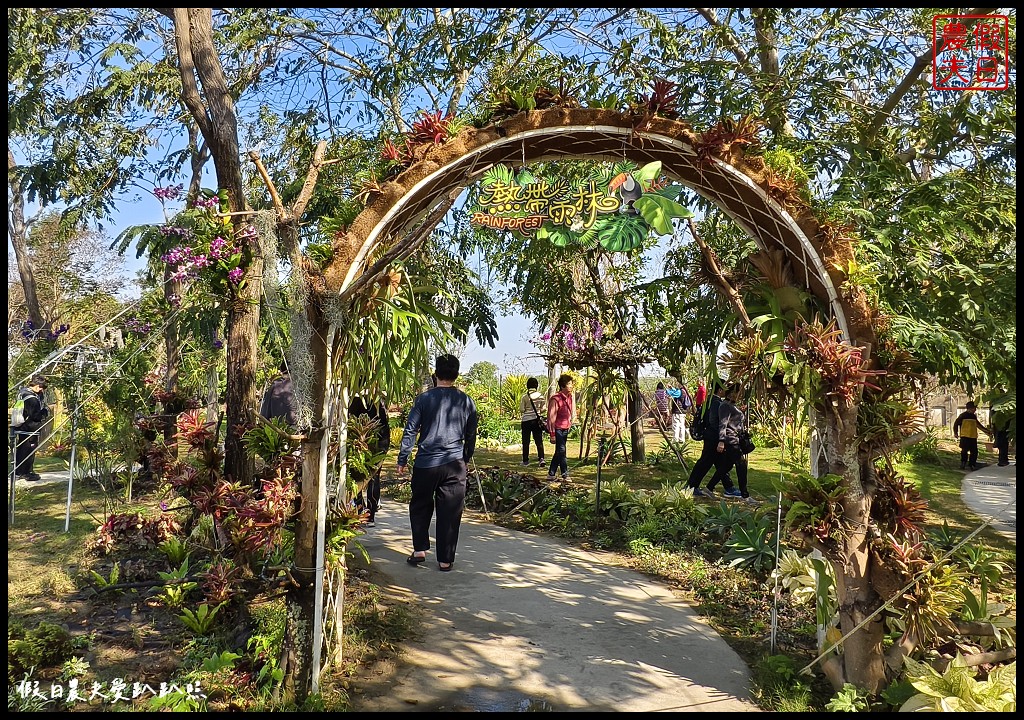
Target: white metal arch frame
[(530, 138)]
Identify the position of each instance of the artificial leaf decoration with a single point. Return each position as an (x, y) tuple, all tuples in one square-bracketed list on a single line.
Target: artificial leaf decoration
[(647, 174), (658, 211), (497, 174), (622, 233), (559, 237)]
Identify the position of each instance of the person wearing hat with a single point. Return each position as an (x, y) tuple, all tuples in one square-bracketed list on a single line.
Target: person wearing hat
[(966, 427), (27, 418)]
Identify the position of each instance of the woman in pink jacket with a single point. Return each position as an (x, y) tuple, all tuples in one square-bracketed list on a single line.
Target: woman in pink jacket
[(561, 414)]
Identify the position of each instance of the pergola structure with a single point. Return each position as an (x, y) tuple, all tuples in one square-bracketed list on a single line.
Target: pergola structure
[(410, 205)]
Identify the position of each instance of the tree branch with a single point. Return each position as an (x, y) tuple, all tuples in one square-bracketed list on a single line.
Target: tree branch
[(920, 63), (718, 277), (187, 69)]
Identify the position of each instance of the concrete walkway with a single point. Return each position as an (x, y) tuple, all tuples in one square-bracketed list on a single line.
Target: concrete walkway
[(991, 491), (526, 623)]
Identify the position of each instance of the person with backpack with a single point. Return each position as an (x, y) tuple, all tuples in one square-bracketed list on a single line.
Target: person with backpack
[(533, 422), (705, 427), (681, 403), (27, 417), (732, 431)]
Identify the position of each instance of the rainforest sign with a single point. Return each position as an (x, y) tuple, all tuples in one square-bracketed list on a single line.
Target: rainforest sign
[(617, 206), (525, 208)]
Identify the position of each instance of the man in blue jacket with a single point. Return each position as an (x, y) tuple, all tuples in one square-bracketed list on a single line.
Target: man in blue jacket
[(446, 420)]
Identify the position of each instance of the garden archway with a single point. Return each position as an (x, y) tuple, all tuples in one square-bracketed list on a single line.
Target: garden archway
[(810, 253), (741, 186)]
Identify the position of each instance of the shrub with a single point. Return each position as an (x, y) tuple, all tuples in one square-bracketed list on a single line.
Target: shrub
[(46, 645)]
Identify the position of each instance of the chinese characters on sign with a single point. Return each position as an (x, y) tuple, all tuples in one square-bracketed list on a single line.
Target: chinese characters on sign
[(525, 208), (969, 52), (119, 690)]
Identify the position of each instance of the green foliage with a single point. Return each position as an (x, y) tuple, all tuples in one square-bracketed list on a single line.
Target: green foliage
[(44, 646), (751, 543), (812, 505), (104, 582), (849, 699), (543, 519), (176, 590), (265, 644), (201, 621), (269, 440), (222, 661), (175, 549), (957, 690), (617, 500)]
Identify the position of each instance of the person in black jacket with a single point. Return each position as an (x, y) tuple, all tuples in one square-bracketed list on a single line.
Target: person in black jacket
[(709, 455), (25, 434), (369, 500), (732, 421)]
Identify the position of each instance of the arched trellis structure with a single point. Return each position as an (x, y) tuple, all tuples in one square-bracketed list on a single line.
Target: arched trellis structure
[(814, 255), (731, 181)]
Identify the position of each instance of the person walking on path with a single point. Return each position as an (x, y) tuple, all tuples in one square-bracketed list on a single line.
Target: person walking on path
[(966, 427), (369, 498), (533, 423), (279, 399), (1001, 421), (681, 403), (446, 420), (561, 415), (732, 423), (701, 395), (661, 401), (27, 417), (709, 455)]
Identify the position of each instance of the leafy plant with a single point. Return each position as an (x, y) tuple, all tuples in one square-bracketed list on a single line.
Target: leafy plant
[(957, 690), (750, 544), (105, 582), (175, 550), (545, 518), (222, 661), (850, 699), (74, 667), (617, 499), (269, 440), (200, 621), (177, 588)]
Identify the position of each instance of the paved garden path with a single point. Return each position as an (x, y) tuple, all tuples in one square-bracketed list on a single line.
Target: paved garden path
[(526, 622), (991, 491)]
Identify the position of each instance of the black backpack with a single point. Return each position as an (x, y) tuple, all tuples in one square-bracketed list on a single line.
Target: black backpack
[(700, 422)]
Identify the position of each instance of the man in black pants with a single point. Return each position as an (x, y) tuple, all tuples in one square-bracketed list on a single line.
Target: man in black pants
[(369, 499), (32, 411), (709, 455), (446, 420)]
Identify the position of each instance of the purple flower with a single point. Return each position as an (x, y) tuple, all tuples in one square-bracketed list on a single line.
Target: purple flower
[(546, 336), (235, 275), (218, 344), (206, 202), (172, 192)]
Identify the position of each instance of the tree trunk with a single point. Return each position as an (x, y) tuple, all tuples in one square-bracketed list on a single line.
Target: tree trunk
[(214, 111), (863, 659), (635, 414), (18, 234), (300, 601)]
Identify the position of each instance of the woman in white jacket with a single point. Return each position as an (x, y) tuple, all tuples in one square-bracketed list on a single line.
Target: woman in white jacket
[(533, 422)]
